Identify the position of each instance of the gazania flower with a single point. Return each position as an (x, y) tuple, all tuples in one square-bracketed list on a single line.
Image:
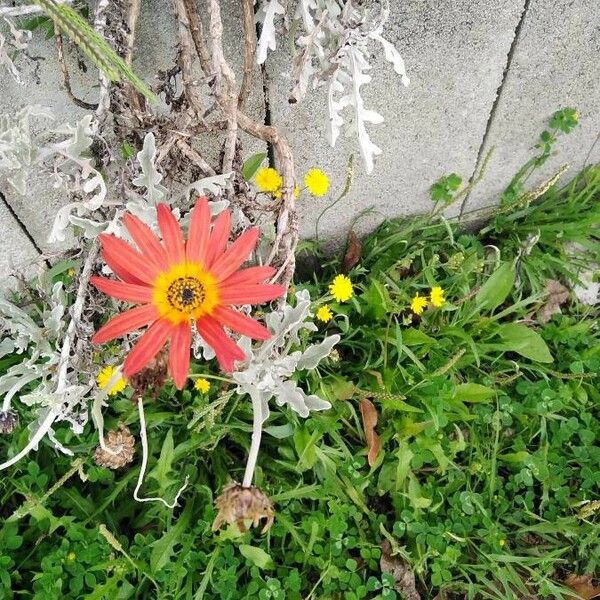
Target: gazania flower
[(177, 283)]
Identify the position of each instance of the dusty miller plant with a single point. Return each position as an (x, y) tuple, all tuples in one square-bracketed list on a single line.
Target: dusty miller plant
[(333, 50), (267, 372), (12, 43)]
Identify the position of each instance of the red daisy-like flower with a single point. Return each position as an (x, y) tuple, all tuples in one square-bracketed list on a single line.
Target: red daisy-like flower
[(177, 282)]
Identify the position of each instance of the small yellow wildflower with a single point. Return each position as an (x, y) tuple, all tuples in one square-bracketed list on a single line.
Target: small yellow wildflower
[(341, 288), (418, 304), (70, 272), (103, 378), (316, 182), (279, 193), (502, 542), (268, 180), (324, 314), (202, 385), (436, 296), (71, 556)]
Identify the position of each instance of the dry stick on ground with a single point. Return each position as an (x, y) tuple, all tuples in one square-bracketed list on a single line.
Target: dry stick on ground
[(185, 59), (65, 72), (249, 50), (195, 157), (225, 86), (104, 97), (133, 16)]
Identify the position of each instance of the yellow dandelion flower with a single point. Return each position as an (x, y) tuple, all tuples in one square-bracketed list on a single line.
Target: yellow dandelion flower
[(279, 193), (268, 180), (316, 182), (436, 296), (202, 385), (418, 304), (103, 378), (341, 288), (324, 314)]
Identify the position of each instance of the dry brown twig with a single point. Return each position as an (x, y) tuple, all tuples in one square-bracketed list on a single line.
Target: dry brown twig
[(249, 51), (65, 73)]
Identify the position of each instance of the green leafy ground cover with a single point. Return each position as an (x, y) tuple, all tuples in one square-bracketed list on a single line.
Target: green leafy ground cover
[(483, 482)]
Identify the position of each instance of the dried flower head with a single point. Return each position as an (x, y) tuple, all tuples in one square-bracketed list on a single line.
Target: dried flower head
[(148, 382), (238, 504), (8, 421), (122, 444)]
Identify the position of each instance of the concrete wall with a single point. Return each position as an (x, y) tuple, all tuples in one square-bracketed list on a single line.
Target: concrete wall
[(483, 73)]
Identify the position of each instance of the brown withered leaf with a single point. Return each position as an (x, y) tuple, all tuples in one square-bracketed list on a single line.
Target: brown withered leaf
[(582, 585), (557, 294), (400, 571), (353, 252), (369, 419)]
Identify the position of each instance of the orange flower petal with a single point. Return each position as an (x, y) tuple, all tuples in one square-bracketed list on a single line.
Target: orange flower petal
[(199, 232), (122, 273), (124, 322), (225, 348), (130, 292), (179, 354), (171, 233), (250, 294), (123, 259), (241, 323), (146, 241), (147, 347), (252, 275), (219, 237), (235, 255)]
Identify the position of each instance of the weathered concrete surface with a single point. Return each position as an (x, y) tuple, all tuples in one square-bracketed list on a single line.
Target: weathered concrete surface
[(455, 54), (42, 85), (17, 253), (555, 63), (155, 51)]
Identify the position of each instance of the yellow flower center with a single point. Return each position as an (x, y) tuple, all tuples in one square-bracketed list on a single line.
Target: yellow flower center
[(185, 292)]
